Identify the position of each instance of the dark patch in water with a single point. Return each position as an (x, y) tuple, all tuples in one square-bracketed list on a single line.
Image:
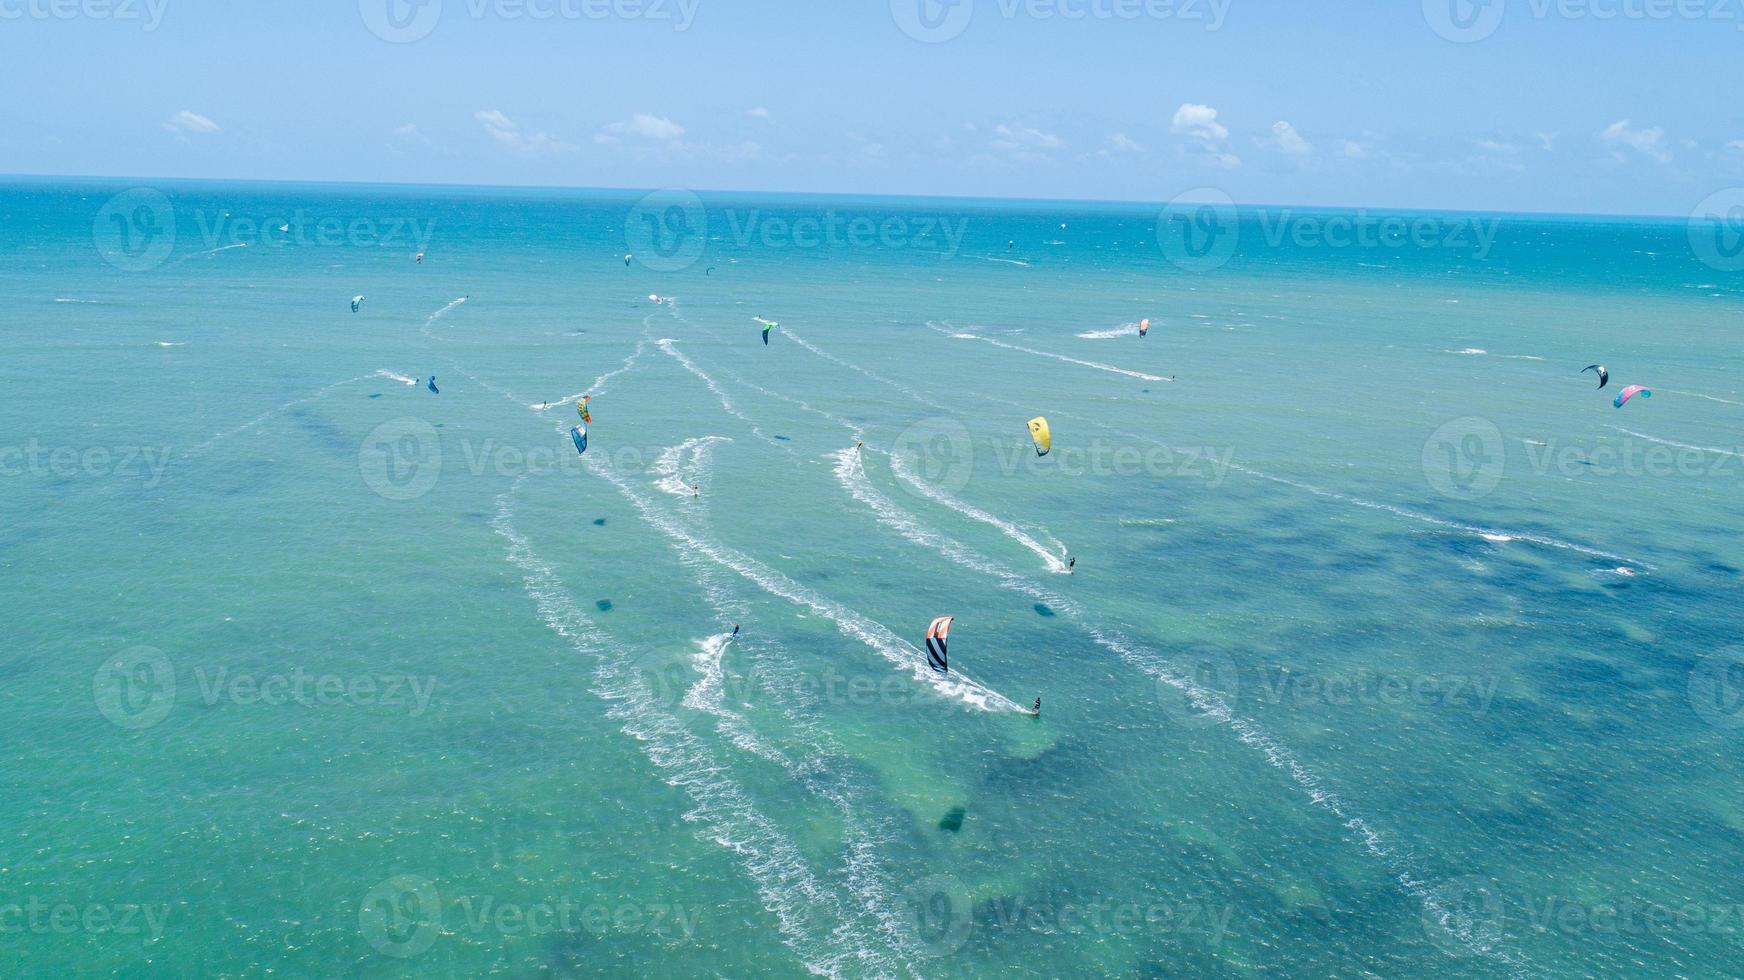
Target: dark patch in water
[(324, 430), (599, 522), (953, 820), (784, 438), (604, 605), (441, 425), (1721, 568), (376, 395), (1042, 609)]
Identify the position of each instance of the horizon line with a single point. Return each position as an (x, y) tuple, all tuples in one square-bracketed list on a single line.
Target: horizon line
[(817, 194)]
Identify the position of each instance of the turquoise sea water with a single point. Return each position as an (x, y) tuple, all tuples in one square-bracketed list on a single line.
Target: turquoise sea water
[(1392, 647)]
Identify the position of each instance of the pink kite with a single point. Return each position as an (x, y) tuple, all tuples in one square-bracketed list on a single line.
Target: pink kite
[(1631, 392)]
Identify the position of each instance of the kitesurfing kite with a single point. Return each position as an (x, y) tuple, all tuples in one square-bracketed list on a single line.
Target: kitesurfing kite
[(1604, 375), (432, 386), (936, 635), (578, 435), (1631, 392), (1038, 430), (768, 325), (420, 258), (627, 259), (356, 303), (581, 409), (1144, 327)]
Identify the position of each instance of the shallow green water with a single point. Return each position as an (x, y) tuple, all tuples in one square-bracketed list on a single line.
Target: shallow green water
[(333, 675)]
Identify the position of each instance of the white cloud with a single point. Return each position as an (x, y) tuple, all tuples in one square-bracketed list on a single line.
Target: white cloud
[(1547, 141), (1288, 141), (758, 113), (509, 135), (1124, 144), (185, 122), (1495, 146), (654, 129), (1620, 136), (1199, 125), (1200, 122), (410, 133), (1353, 150), (867, 147), (1735, 147), (1018, 139)]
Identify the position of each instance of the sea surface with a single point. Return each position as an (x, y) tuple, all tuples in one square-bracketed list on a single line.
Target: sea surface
[(1391, 647)]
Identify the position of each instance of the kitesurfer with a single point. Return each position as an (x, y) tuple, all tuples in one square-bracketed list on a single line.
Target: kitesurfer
[(1071, 566), (1037, 710), (735, 629), (432, 386)]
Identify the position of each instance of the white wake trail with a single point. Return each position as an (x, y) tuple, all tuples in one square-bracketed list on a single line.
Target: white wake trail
[(849, 623), (1207, 702), (1678, 445), (790, 890), (287, 406), (900, 467), (667, 346), (1042, 353)]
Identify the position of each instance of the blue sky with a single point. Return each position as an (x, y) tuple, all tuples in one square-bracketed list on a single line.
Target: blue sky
[(1615, 106)]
